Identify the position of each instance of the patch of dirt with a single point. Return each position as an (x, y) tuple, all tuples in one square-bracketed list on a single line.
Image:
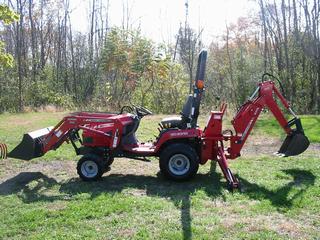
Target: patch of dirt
[(59, 170), (261, 145), (137, 192), (275, 222), (56, 206), (135, 167), (20, 173), (126, 233), (257, 145)]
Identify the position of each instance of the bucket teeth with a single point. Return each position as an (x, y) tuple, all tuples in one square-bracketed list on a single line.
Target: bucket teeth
[(3, 151)]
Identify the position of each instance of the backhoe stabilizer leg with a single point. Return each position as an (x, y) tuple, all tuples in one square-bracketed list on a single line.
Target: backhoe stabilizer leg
[(233, 182)]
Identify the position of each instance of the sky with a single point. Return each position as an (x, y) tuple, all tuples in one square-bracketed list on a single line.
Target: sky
[(160, 19)]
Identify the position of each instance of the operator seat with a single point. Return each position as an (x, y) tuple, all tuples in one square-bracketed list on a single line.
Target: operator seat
[(129, 132), (182, 121), (190, 111)]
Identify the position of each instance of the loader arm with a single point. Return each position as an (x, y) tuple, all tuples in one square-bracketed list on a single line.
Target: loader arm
[(37, 143), (60, 133), (264, 97)]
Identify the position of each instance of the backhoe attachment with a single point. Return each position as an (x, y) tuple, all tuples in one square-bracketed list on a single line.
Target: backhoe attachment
[(265, 96), (31, 145)]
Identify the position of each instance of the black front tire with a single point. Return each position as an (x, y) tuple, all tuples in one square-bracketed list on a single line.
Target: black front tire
[(179, 162), (90, 167)]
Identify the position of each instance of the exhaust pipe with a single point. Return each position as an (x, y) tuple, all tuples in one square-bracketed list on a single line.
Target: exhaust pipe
[(31, 145), (296, 142)]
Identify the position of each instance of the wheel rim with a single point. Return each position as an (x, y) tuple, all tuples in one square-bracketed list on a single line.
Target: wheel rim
[(179, 164), (89, 169)]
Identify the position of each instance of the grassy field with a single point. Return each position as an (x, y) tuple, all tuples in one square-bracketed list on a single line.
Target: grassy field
[(45, 199), (311, 126)]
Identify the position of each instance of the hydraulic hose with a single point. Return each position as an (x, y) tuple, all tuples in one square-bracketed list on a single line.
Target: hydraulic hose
[(274, 77)]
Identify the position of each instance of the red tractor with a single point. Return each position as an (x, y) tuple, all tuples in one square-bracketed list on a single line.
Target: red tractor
[(181, 145)]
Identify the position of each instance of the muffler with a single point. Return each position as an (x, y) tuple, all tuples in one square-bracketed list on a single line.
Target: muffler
[(31, 145), (296, 142)]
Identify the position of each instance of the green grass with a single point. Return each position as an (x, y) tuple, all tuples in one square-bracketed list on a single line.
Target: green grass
[(41, 199), (310, 123), (13, 126)]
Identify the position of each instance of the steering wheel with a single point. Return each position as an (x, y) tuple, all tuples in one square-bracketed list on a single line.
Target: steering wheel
[(127, 109), (141, 111)]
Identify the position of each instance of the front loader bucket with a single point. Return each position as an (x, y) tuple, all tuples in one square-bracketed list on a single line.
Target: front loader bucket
[(295, 143), (31, 145)]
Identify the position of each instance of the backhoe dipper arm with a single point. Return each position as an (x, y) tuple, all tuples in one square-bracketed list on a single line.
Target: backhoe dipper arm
[(247, 115)]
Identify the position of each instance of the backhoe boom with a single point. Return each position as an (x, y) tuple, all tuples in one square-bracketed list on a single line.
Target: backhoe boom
[(248, 114)]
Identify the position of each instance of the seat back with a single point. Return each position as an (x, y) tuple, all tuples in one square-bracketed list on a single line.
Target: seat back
[(187, 107), (192, 106), (190, 110)]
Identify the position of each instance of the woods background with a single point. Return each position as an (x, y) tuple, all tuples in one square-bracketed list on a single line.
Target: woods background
[(106, 67)]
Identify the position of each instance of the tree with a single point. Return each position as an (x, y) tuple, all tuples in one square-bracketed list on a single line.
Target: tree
[(54, 64), (292, 30), (234, 63), (7, 16)]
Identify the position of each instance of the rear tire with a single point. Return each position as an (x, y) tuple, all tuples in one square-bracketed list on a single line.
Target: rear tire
[(179, 162), (90, 167)]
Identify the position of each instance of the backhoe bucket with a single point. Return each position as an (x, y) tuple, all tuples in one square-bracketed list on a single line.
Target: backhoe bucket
[(295, 143), (31, 145)]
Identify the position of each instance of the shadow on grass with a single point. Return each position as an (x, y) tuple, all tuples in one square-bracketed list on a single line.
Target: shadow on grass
[(20, 185), (179, 193), (279, 198)]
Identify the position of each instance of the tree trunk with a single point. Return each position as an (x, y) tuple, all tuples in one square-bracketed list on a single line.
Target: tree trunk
[(263, 18), (33, 42), (19, 26)]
